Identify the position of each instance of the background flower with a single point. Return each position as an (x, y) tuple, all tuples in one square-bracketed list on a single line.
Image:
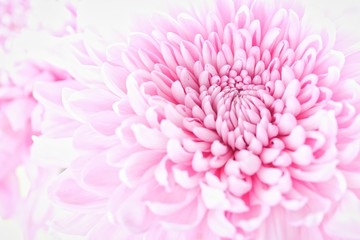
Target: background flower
[(13, 18), (233, 120), (21, 182)]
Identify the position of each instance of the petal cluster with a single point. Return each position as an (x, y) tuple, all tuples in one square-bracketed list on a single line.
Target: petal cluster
[(21, 180), (12, 18), (218, 124)]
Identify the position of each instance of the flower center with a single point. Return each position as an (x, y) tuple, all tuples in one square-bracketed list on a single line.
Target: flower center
[(236, 101)]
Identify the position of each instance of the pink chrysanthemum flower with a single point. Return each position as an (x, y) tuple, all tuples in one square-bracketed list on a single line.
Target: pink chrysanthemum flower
[(18, 121), (234, 120), (12, 18), (20, 115)]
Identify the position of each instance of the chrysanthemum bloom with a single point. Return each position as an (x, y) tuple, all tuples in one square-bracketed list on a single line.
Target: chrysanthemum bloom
[(18, 121), (12, 18), (234, 120), (20, 115)]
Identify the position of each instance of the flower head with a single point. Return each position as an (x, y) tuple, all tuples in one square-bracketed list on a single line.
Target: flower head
[(19, 121), (20, 115), (12, 18), (230, 121)]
